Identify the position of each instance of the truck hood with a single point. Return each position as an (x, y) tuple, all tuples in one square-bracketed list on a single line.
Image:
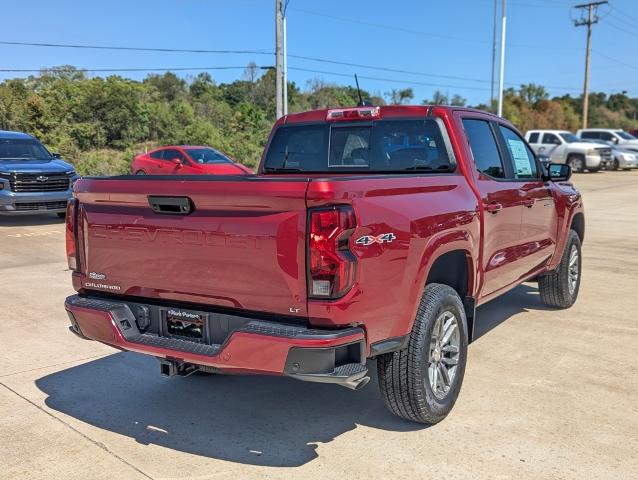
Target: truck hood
[(588, 145), (52, 165)]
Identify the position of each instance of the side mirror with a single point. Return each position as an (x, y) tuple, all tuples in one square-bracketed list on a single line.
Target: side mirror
[(615, 140), (177, 162), (56, 155), (559, 172)]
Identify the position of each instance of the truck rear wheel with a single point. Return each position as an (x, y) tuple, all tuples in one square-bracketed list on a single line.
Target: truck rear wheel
[(559, 288), (422, 381)]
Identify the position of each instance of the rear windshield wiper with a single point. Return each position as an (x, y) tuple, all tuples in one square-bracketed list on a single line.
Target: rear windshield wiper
[(282, 169), (442, 168)]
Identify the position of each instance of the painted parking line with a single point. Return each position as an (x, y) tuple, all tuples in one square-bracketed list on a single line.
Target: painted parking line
[(34, 234)]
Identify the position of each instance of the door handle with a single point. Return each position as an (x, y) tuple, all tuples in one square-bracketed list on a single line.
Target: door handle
[(494, 207)]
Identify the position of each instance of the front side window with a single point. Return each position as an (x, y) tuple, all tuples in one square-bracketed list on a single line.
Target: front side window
[(484, 149), (523, 161), (380, 146), (608, 137), (569, 137), (22, 148), (171, 154), (207, 156), (550, 139)]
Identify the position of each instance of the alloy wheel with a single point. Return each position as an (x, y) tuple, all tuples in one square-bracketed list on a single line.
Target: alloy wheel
[(443, 354), (573, 271)]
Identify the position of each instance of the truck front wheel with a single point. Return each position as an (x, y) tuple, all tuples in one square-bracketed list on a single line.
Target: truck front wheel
[(577, 163), (422, 381), (559, 288)]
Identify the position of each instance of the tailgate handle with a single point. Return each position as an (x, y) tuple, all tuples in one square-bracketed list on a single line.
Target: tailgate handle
[(171, 205)]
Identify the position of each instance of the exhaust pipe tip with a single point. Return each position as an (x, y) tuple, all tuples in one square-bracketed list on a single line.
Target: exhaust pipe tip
[(357, 384)]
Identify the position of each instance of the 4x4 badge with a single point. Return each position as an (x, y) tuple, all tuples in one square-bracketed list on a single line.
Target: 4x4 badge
[(370, 239)]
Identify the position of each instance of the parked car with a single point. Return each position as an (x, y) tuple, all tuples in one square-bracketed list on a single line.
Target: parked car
[(634, 132), (610, 135), (337, 251), (562, 146), (32, 180), (622, 157), (186, 160)]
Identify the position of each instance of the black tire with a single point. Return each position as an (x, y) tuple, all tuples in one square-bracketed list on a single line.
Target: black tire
[(615, 165), (403, 375), (577, 162), (593, 170), (61, 214), (554, 286), (140, 172)]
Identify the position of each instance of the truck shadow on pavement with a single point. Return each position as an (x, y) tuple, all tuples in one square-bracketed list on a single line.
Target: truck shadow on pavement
[(30, 220), (255, 420), (267, 421)]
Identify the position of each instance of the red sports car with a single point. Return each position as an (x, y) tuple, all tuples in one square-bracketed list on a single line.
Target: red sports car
[(186, 160)]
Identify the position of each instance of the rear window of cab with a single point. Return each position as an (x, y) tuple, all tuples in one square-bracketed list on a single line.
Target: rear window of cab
[(391, 146)]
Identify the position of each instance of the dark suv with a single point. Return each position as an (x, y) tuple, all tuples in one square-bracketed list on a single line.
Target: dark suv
[(32, 180)]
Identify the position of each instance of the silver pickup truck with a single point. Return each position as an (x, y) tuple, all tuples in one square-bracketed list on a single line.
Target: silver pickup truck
[(562, 146)]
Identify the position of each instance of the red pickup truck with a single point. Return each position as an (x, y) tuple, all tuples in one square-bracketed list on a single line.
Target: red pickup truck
[(368, 232)]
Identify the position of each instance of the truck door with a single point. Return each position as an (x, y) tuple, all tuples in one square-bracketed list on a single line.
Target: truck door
[(553, 147), (539, 220), (501, 200)]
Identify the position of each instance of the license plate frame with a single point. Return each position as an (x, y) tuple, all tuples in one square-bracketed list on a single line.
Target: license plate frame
[(185, 324)]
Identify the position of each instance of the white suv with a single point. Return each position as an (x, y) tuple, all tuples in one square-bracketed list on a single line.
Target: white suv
[(562, 146)]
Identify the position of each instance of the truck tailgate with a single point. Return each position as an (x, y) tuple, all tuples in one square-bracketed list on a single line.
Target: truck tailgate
[(242, 246)]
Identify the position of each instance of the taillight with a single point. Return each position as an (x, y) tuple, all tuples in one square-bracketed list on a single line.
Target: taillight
[(331, 269), (71, 235)]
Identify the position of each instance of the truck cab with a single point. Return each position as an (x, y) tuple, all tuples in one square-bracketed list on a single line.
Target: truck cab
[(562, 146)]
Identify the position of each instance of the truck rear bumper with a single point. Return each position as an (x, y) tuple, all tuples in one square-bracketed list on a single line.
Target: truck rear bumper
[(256, 347)]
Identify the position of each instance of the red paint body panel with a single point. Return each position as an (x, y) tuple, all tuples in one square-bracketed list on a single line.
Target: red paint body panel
[(244, 246)]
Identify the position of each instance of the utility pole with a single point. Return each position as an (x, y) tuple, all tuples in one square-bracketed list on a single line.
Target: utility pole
[(285, 58), (588, 20), (278, 63), (493, 55), (502, 68)]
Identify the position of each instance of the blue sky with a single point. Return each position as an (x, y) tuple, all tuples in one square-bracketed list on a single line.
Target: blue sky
[(437, 39)]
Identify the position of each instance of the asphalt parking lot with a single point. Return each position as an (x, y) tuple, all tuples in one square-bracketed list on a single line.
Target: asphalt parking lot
[(547, 394)]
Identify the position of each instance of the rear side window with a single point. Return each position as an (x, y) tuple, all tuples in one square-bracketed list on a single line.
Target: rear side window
[(533, 137), (523, 161), (382, 146), (157, 155), (484, 149), (593, 135)]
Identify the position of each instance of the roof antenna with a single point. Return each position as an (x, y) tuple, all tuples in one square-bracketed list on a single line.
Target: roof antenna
[(362, 102)]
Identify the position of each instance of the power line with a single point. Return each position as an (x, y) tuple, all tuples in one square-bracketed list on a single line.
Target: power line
[(136, 49), (419, 32), (260, 52), (619, 62), (106, 70), (393, 80)]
